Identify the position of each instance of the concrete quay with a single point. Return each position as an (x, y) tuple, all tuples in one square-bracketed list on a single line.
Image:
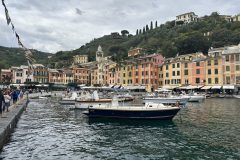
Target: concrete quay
[(8, 120)]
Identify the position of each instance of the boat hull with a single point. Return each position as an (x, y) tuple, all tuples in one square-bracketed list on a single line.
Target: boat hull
[(130, 114)]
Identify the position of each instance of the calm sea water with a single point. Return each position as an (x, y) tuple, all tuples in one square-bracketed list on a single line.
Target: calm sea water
[(209, 130)]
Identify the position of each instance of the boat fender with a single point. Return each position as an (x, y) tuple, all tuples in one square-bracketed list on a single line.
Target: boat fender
[(150, 105)]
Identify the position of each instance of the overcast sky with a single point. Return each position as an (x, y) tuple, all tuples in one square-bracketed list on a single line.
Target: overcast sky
[(54, 25)]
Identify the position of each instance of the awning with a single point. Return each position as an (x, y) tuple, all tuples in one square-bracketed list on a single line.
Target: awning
[(206, 87), (42, 85), (216, 87), (163, 90), (190, 87), (169, 87), (228, 87), (135, 87)]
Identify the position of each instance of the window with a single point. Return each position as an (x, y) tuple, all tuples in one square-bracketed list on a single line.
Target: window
[(178, 65), (197, 80), (142, 73), (215, 62), (142, 81), (173, 65), (167, 74), (124, 74), (136, 80), (166, 67), (237, 57), (228, 80), (209, 62), (198, 64), (209, 80), (130, 74), (124, 81), (227, 68), (185, 72), (232, 57), (198, 71), (216, 71), (216, 80), (209, 71), (237, 67), (178, 73), (185, 65), (136, 73), (173, 73), (227, 58), (146, 73)]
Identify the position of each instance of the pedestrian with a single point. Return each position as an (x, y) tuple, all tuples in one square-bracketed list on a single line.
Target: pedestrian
[(14, 96), (7, 100), (2, 102)]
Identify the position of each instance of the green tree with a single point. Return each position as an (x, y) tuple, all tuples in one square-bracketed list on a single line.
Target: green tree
[(124, 32), (137, 32), (147, 28), (151, 25), (156, 24)]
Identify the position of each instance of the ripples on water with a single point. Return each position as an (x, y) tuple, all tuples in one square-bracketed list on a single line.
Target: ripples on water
[(208, 130)]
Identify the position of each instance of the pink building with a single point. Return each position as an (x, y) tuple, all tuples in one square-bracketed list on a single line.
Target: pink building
[(198, 72)]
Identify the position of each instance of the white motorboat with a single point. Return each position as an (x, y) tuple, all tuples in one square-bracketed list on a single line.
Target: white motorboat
[(167, 100), (194, 97), (236, 96), (69, 100)]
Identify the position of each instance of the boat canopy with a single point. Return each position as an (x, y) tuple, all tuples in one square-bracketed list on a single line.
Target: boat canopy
[(216, 87), (228, 87)]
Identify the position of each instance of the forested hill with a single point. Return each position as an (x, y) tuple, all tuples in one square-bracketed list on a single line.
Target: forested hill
[(168, 39), (16, 57)]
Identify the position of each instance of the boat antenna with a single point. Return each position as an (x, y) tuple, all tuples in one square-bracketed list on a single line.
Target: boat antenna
[(28, 53)]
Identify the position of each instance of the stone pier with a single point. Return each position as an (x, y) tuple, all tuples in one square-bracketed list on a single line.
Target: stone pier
[(9, 120)]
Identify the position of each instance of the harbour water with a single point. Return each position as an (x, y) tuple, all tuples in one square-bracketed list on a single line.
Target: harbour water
[(208, 130)]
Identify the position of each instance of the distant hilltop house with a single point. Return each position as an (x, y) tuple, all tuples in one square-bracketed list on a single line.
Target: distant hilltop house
[(186, 18), (192, 17), (135, 52)]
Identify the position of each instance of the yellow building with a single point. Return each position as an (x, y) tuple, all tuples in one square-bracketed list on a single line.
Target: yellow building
[(78, 59), (214, 67)]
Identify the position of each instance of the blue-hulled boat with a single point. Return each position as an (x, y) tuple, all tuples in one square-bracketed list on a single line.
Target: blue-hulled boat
[(147, 111)]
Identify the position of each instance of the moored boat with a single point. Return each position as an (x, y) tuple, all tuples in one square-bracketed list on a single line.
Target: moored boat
[(167, 100), (69, 100), (236, 96), (147, 111)]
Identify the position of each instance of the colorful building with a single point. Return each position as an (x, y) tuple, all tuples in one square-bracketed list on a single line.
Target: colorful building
[(40, 73)]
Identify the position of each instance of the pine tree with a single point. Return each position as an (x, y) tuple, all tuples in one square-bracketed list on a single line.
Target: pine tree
[(137, 32), (147, 28), (156, 25), (140, 31), (151, 26), (143, 30)]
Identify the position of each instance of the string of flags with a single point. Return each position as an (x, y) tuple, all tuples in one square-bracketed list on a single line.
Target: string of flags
[(28, 53)]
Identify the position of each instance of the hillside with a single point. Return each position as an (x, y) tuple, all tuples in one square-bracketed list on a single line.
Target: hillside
[(16, 56), (168, 39)]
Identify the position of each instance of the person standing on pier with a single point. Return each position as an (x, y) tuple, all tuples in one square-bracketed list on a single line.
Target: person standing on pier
[(14, 96), (2, 102)]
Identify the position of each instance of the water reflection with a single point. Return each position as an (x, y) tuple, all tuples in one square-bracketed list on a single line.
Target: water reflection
[(208, 130)]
